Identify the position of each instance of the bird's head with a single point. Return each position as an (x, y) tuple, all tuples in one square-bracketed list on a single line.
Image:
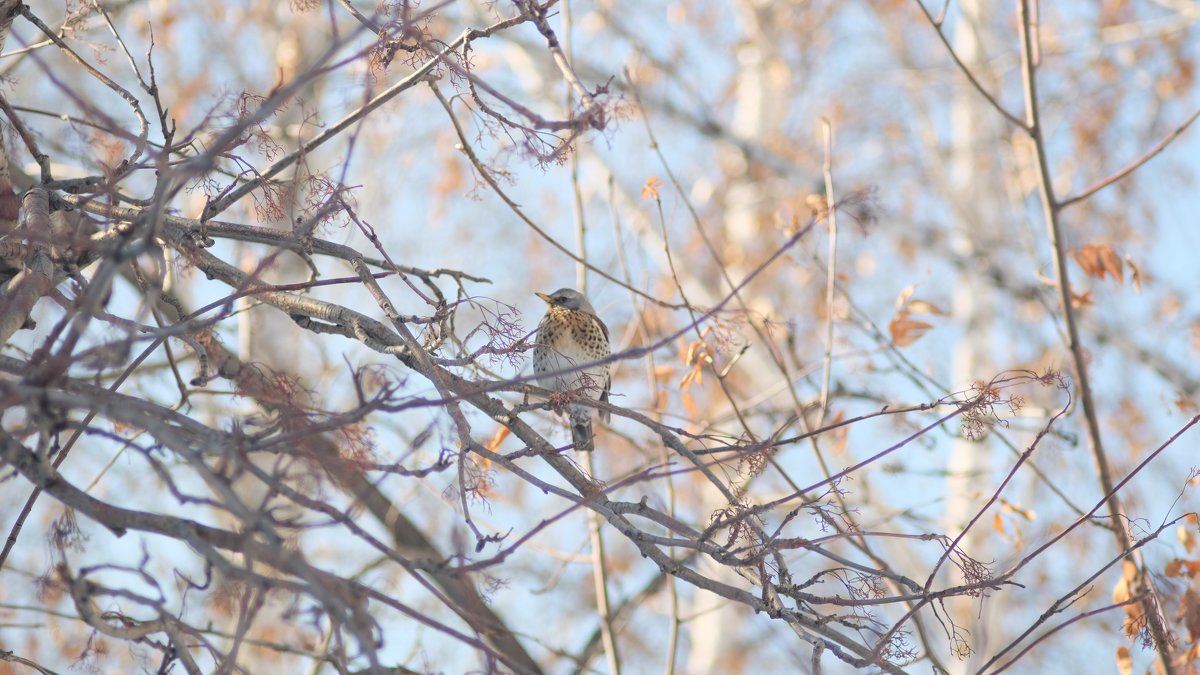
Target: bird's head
[(567, 298)]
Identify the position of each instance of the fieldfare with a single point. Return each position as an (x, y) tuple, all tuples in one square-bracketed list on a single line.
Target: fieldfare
[(571, 336)]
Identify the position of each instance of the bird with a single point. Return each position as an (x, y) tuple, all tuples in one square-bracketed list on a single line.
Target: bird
[(571, 335)]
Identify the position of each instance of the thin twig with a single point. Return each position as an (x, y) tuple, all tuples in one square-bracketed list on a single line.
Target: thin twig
[(1050, 210), (937, 28), (831, 274), (595, 533), (1132, 166), (486, 174)]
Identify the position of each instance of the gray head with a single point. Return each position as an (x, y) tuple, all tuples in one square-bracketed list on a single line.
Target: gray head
[(567, 298)]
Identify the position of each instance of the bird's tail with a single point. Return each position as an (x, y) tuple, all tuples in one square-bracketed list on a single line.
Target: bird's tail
[(581, 434)]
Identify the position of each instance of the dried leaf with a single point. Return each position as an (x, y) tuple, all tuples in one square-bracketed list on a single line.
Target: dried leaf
[(1186, 538), (1124, 661), (698, 354), (905, 330), (1192, 654), (1081, 299), (923, 307), (451, 179), (690, 404), (1088, 260), (902, 299), (1129, 570), (841, 435), (1027, 514), (686, 380), (1180, 567), (651, 188), (494, 442), (1186, 405), (1135, 620), (1132, 625), (691, 353), (1121, 590), (1112, 264), (1135, 275), (1174, 568), (1099, 261), (1189, 611), (998, 522)]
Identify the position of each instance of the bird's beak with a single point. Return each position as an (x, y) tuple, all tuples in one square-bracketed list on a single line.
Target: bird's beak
[(545, 298)]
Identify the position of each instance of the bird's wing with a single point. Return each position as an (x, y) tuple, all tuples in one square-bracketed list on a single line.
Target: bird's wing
[(607, 380), (603, 328)]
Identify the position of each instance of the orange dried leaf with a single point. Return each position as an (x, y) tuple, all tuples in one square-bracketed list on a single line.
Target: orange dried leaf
[(1081, 299), (651, 188), (1189, 611), (687, 379), (1192, 653), (905, 330), (902, 299), (1112, 263), (841, 435), (691, 353), (1179, 567), (1186, 538), (1129, 570), (998, 522), (923, 307), (1027, 514), (451, 179), (1135, 275), (690, 404), (1187, 406), (698, 354), (1087, 260), (1121, 589), (1099, 261), (1124, 661), (494, 442), (1174, 568), (817, 203), (1132, 625)]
